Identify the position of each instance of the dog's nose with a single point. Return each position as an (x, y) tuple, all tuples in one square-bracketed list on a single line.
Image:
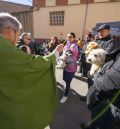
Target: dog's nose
[(89, 60)]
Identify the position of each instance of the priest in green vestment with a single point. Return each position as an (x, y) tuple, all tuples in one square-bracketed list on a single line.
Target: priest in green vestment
[(28, 92)]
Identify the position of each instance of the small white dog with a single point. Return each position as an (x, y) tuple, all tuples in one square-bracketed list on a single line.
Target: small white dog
[(61, 63), (97, 58), (66, 57)]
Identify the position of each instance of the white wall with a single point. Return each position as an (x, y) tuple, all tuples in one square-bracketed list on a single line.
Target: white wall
[(73, 21), (74, 18), (103, 12), (73, 1), (101, 0)]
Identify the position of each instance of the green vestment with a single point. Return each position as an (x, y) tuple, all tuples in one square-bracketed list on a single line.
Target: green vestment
[(28, 92)]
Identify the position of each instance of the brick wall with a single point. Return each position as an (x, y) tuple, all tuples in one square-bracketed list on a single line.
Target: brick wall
[(39, 3), (91, 1), (85, 1), (42, 3), (61, 2)]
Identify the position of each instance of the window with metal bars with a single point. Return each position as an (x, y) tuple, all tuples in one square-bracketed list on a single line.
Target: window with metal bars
[(57, 18)]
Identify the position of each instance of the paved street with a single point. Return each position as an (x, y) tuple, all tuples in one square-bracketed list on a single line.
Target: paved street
[(74, 111)]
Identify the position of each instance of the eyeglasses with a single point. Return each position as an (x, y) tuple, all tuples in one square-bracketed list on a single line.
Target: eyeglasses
[(70, 37), (52, 39), (27, 38), (16, 31)]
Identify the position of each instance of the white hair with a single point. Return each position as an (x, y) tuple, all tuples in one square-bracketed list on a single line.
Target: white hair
[(7, 20), (25, 34)]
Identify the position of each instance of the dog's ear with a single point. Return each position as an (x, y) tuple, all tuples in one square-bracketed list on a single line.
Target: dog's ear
[(94, 46)]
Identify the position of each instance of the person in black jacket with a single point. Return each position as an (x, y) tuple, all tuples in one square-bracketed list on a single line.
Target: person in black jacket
[(84, 66), (103, 98)]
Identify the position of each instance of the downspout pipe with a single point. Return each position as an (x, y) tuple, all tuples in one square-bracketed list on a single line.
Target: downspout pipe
[(85, 19)]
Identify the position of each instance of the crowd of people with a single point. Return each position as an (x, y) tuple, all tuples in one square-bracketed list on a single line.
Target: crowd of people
[(26, 95)]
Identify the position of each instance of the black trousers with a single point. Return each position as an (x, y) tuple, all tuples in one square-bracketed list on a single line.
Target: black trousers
[(84, 66)]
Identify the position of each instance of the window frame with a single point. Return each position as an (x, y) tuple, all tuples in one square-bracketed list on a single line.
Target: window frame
[(56, 18)]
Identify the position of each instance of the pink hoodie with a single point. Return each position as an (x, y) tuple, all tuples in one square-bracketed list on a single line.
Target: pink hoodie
[(71, 46)]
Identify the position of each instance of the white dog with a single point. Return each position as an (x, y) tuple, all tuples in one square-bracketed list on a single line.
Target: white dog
[(97, 58), (66, 57), (61, 63)]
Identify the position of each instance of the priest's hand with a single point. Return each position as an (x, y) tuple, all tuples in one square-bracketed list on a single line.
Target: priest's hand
[(59, 48)]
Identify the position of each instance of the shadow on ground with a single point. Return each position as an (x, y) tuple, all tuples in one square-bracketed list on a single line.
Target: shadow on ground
[(80, 78), (71, 113)]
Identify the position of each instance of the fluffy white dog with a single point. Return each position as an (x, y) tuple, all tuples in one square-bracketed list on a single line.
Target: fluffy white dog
[(61, 63), (97, 58), (64, 59)]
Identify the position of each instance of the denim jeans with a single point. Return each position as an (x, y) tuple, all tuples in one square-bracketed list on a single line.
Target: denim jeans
[(67, 77)]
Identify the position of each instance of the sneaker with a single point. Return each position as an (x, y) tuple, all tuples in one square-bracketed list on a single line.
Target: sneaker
[(63, 100)]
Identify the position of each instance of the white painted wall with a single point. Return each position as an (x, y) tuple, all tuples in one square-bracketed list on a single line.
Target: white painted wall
[(74, 18), (101, 0), (73, 1)]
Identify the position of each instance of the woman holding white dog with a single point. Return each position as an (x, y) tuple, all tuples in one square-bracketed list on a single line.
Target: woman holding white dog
[(71, 67)]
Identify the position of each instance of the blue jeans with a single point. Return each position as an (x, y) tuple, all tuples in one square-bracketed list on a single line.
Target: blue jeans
[(67, 77)]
